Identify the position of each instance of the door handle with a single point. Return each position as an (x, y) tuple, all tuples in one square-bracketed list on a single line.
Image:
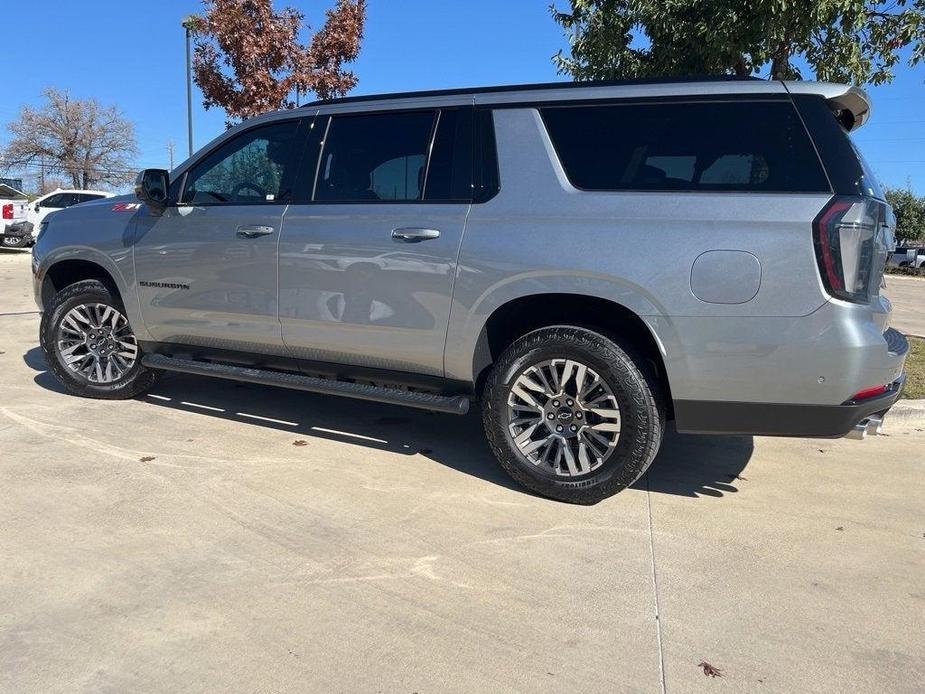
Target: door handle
[(253, 231), (414, 234)]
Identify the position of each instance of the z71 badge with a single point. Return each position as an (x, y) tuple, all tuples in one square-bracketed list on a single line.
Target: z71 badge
[(126, 206)]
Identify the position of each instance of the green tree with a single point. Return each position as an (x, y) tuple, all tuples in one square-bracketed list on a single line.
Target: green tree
[(853, 41), (909, 209)]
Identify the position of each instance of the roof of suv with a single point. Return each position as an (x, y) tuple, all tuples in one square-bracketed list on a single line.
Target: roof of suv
[(840, 96), (539, 86)]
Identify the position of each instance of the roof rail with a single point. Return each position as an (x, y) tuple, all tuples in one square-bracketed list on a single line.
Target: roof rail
[(530, 87)]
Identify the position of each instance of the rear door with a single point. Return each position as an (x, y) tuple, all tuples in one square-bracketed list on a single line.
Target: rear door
[(368, 255), (206, 267)]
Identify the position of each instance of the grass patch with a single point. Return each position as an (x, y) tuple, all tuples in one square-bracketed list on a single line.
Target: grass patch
[(915, 369)]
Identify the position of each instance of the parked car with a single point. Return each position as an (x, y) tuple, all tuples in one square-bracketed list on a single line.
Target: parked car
[(524, 218), (26, 230), (907, 257)]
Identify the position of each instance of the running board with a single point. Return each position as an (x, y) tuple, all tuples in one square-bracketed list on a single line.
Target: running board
[(452, 404)]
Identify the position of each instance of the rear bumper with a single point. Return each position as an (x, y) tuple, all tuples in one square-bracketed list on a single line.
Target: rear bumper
[(17, 231), (775, 419)]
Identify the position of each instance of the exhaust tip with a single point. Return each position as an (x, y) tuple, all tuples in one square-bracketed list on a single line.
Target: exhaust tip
[(859, 431), (872, 426)]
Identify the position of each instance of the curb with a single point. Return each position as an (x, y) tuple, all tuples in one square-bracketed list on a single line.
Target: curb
[(906, 413)]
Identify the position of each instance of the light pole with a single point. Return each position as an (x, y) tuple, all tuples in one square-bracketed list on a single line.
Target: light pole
[(189, 24)]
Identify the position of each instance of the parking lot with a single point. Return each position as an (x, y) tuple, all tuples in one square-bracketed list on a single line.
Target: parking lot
[(213, 536)]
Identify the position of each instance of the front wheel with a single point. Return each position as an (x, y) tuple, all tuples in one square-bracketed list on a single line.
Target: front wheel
[(571, 415), (90, 346)]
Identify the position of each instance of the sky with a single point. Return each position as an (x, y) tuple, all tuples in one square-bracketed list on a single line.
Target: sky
[(130, 54)]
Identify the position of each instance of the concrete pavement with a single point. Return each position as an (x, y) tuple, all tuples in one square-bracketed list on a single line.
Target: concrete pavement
[(908, 297), (184, 541)]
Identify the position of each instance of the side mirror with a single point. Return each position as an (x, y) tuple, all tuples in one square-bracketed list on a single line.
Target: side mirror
[(151, 187)]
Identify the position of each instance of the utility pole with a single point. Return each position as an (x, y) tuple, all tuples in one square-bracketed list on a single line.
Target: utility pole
[(170, 152), (189, 24)]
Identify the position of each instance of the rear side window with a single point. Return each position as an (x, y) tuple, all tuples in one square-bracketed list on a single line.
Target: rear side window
[(374, 158), (758, 146)]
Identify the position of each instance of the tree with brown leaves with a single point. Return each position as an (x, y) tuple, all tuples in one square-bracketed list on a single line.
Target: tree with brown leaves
[(77, 138), (249, 60)]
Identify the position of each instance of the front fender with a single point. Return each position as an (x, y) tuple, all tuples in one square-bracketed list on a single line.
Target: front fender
[(111, 250)]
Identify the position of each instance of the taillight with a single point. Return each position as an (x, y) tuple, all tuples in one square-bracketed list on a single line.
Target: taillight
[(845, 238), (8, 212), (868, 393)]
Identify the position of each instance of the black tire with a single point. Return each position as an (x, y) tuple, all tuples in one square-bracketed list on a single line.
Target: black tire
[(16, 242), (136, 380), (642, 412)]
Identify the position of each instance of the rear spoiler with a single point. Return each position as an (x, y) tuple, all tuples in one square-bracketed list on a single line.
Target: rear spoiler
[(851, 105)]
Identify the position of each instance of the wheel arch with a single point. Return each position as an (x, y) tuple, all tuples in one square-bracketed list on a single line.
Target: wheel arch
[(68, 271), (524, 314)]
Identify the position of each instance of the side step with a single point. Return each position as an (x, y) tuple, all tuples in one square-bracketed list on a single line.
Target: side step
[(455, 404)]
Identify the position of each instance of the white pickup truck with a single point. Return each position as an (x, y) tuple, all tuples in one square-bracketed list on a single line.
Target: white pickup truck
[(12, 212), (21, 228)]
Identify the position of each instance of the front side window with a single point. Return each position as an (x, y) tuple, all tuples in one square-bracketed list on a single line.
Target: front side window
[(251, 168), (53, 201), (686, 146), (375, 158)]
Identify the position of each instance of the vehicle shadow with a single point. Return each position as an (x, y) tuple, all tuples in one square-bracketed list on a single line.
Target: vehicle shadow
[(686, 465)]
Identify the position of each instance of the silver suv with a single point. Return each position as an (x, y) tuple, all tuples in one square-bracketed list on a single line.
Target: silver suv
[(496, 245)]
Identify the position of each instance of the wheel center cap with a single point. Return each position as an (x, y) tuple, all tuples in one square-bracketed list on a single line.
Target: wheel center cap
[(564, 415)]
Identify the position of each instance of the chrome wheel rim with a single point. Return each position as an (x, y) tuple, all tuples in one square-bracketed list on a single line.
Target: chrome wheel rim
[(95, 342), (563, 417)]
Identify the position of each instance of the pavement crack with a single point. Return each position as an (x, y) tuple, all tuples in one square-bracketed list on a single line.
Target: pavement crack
[(658, 620)]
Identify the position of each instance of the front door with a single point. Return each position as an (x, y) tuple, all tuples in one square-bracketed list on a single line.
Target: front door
[(207, 267), (367, 263)]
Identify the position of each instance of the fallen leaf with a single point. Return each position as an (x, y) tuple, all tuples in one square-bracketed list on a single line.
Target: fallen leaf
[(146, 459), (840, 527), (710, 670), (300, 442)]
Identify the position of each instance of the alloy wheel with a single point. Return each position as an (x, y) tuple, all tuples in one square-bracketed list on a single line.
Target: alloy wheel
[(96, 342), (563, 417)]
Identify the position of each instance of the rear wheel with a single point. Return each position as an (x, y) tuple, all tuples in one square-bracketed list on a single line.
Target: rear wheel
[(16, 241), (90, 346), (571, 415)]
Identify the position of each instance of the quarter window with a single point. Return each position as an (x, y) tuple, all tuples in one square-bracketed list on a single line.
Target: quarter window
[(251, 168), (688, 146)]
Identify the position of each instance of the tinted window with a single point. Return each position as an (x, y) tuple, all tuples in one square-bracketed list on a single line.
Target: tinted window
[(378, 157), (251, 168), (87, 197), (486, 181), (55, 201), (449, 174), (734, 146), (844, 164)]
